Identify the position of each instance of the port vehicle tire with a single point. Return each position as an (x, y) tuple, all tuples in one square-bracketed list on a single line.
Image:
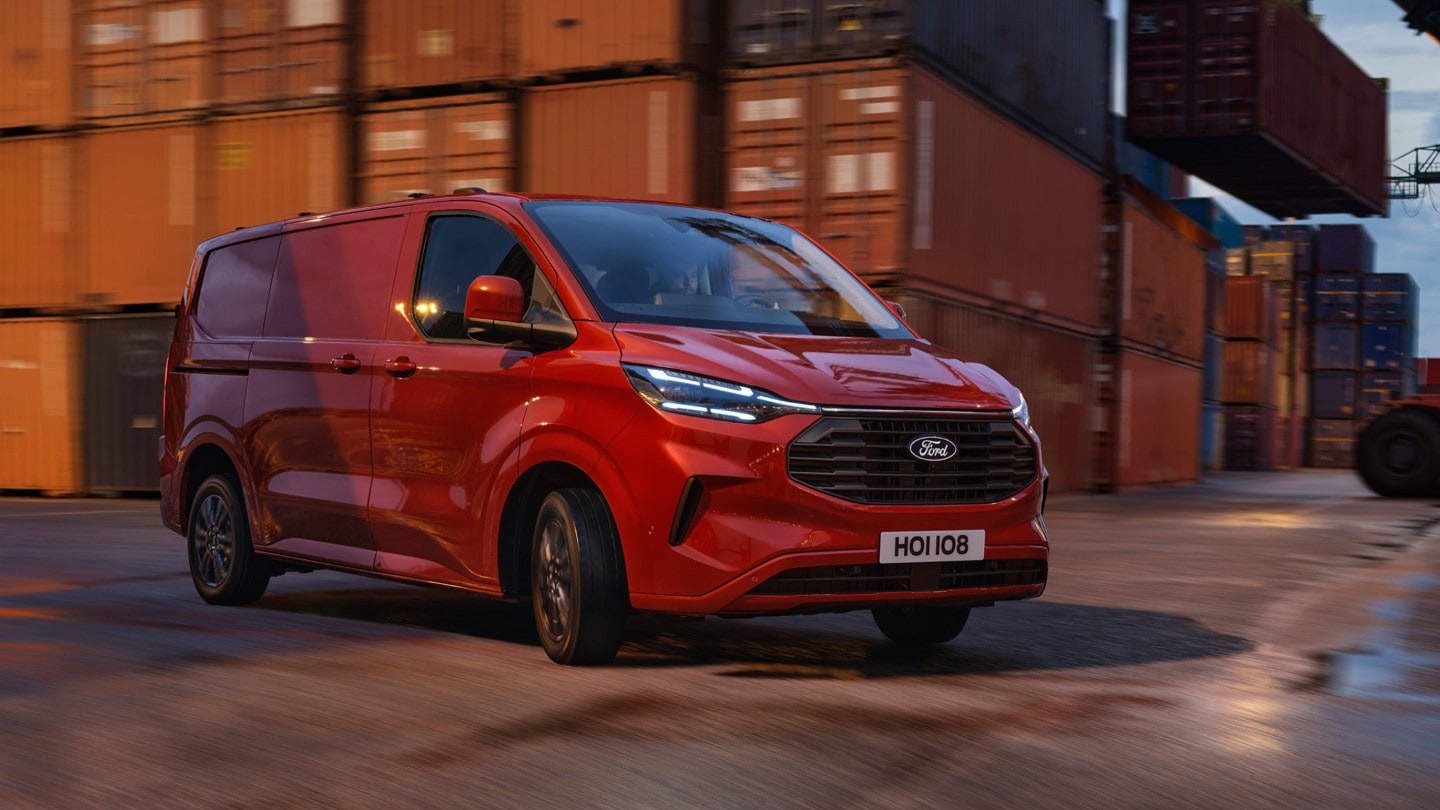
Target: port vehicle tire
[(923, 624), (1398, 454), (577, 579), (223, 563)]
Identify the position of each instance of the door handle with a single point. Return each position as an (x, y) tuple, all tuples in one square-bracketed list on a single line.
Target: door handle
[(401, 366), (346, 363)]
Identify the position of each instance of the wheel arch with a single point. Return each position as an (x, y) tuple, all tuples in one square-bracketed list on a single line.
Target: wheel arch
[(518, 515)]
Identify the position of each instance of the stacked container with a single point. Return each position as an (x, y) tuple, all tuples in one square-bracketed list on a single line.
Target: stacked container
[(1248, 384), (1344, 255)]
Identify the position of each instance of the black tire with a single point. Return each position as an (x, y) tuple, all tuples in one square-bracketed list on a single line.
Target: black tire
[(577, 579), (1398, 454), (223, 563), (922, 624)]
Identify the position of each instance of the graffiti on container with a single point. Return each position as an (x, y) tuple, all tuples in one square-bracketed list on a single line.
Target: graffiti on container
[(765, 178)]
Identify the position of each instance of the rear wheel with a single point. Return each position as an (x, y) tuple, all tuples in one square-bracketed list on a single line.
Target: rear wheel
[(921, 624), (577, 582), (223, 563), (1398, 454)]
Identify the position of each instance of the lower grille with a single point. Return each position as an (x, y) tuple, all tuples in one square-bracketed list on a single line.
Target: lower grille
[(901, 577)]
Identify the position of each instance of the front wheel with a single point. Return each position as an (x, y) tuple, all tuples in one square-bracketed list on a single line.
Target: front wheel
[(577, 582), (1398, 454), (223, 563), (922, 624)]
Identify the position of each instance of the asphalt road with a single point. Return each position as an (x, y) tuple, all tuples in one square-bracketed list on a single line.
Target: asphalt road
[(1261, 640)]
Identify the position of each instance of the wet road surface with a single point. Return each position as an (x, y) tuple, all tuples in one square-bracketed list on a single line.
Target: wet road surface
[(1262, 640)]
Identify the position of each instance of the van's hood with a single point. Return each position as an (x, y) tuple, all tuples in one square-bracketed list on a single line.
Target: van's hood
[(838, 371)]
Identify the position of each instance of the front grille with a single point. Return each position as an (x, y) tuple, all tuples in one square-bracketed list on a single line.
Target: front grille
[(901, 577), (867, 460)]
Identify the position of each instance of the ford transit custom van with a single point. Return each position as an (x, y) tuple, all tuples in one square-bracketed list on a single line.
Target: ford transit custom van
[(598, 407)]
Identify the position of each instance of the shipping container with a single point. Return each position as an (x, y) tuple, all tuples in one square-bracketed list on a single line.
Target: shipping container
[(1302, 242), (1334, 454), (1155, 442), (124, 372), (1249, 373), (1304, 297), (1237, 261), (1336, 297), (769, 32), (1052, 367), (35, 61), (268, 52), (406, 44), (38, 227), (1288, 452), (1162, 276), (40, 417), (1392, 297), (271, 166), (1250, 308), (141, 206), (1215, 291), (149, 58), (653, 138), (1347, 429), (1146, 169), (436, 146), (1334, 394), (1336, 346), (1212, 389), (1213, 218), (1249, 437), (1273, 258), (1219, 88), (1427, 375), (1212, 436), (880, 159), (1378, 388), (1387, 346), (562, 37), (1344, 249)]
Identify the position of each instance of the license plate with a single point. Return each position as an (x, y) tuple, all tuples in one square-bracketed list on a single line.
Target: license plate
[(932, 546)]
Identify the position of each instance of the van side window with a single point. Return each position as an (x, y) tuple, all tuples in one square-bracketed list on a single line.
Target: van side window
[(334, 281), (233, 287), (458, 248)]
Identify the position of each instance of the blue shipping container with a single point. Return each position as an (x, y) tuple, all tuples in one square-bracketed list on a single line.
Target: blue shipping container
[(1344, 249), (1333, 394), (1386, 346), (1336, 297), (1378, 388), (1212, 436), (1214, 366), (1389, 297), (1212, 218), (1335, 346), (1334, 428)]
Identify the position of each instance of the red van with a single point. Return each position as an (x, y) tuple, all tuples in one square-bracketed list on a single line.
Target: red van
[(598, 406)]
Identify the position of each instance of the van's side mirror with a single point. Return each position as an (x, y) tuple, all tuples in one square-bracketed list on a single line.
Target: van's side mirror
[(896, 308), (495, 312)]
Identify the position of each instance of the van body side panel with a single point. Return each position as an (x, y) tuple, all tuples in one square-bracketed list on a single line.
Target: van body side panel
[(307, 416)]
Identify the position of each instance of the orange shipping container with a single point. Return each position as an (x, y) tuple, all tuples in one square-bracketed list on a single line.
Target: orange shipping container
[(143, 57), (1162, 279), (1249, 373), (37, 226), (274, 166), (1250, 309), (1052, 367), (1158, 436), (652, 138), (40, 419), (35, 63), (436, 42), (424, 147), (140, 210), (902, 175), (268, 51), (566, 36)]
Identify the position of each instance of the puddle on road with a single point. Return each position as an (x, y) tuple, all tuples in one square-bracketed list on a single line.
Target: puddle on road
[(1384, 668)]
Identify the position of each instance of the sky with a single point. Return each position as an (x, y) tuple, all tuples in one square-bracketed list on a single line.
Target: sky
[(1373, 34)]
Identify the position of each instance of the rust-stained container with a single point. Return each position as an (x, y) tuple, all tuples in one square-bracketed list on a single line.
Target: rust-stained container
[(1249, 373), (654, 138), (124, 373), (436, 146), (140, 210), (35, 64), (1289, 450), (436, 42), (1052, 367), (880, 159), (1221, 87), (1250, 308), (1163, 277), (40, 418), (1249, 437), (559, 37), (268, 51), (38, 227), (1157, 440), (143, 58), (271, 166)]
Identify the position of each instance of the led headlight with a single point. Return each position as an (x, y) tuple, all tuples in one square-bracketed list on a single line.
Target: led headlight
[(1021, 412), (681, 392)]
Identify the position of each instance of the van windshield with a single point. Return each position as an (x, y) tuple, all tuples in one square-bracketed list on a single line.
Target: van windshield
[(654, 263)]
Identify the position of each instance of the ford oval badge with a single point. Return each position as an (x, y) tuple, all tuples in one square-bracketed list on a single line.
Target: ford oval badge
[(933, 448)]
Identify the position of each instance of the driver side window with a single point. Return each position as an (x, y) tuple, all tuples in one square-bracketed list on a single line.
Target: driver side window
[(459, 248)]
